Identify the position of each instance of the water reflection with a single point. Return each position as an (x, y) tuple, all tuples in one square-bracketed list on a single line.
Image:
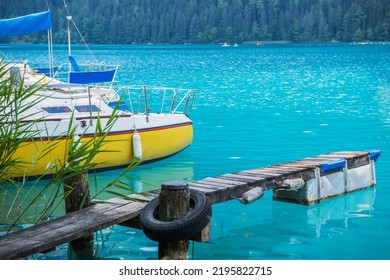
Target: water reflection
[(16, 201), (150, 176), (329, 218), (288, 231)]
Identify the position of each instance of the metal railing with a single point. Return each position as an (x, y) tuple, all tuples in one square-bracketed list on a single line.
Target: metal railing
[(155, 99)]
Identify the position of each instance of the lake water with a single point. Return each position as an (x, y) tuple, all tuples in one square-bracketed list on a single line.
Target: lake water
[(258, 106)]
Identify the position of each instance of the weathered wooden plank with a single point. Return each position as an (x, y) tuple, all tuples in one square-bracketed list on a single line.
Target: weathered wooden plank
[(331, 157), (214, 195), (249, 173), (318, 159), (311, 162), (349, 153), (260, 171), (237, 177), (288, 168), (92, 214), (229, 182), (259, 174), (352, 162), (59, 222), (212, 183), (206, 186), (255, 177), (345, 155), (304, 164), (52, 233), (205, 190), (276, 170), (144, 197)]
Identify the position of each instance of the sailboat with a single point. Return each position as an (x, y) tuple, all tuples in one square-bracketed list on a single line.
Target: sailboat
[(85, 104)]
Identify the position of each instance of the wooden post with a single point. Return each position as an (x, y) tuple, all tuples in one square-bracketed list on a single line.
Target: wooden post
[(77, 196), (76, 189), (174, 204)]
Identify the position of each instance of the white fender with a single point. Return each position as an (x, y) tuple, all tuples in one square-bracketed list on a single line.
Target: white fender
[(137, 146), (251, 195), (293, 184)]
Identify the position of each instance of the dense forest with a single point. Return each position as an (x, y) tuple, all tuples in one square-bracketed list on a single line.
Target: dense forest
[(210, 21)]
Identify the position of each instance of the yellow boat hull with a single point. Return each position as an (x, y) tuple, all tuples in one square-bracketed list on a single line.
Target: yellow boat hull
[(44, 157)]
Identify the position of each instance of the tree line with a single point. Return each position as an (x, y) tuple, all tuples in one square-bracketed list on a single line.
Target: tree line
[(210, 21)]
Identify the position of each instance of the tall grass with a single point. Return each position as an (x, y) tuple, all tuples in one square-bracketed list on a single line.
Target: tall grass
[(29, 199)]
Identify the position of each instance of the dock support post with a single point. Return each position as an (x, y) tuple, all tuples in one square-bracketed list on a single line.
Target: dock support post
[(77, 196), (174, 204)]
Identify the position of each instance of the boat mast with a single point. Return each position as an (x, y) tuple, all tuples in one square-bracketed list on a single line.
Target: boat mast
[(50, 46), (50, 51), (69, 18)]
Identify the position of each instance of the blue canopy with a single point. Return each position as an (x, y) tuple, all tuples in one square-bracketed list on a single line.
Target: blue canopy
[(25, 24), (91, 77)]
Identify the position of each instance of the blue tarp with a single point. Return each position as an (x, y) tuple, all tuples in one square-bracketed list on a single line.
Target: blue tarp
[(74, 64), (25, 24), (91, 77), (332, 165)]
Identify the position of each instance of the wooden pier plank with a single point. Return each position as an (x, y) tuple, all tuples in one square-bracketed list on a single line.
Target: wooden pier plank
[(283, 168), (214, 195), (61, 221), (211, 183), (238, 177), (265, 174), (282, 171), (64, 229), (228, 182), (71, 219), (253, 176), (349, 153)]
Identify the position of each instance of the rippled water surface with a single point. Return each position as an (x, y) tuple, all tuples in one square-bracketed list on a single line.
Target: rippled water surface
[(258, 106)]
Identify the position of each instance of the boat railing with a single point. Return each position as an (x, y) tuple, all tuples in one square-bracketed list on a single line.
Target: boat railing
[(101, 74), (156, 99)]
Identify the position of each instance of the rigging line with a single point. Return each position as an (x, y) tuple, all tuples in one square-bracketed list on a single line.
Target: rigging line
[(66, 8), (82, 38), (78, 31)]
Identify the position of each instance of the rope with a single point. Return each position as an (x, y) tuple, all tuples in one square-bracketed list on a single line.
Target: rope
[(69, 16)]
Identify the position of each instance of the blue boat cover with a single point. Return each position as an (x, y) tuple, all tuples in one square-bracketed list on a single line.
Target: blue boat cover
[(25, 24), (74, 64), (122, 106), (374, 154), (335, 164), (91, 77)]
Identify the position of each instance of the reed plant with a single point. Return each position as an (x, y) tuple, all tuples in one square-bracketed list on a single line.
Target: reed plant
[(31, 200)]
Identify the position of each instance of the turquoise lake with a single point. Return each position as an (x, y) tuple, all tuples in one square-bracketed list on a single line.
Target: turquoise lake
[(258, 106)]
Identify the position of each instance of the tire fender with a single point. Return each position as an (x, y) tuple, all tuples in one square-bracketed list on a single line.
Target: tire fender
[(194, 221)]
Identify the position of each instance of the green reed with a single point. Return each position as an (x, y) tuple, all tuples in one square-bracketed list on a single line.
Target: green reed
[(27, 199)]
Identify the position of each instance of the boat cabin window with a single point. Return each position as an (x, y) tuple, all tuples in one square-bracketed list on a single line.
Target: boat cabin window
[(57, 109), (85, 108)]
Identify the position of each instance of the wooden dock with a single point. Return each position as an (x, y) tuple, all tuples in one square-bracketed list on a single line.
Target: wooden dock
[(45, 236)]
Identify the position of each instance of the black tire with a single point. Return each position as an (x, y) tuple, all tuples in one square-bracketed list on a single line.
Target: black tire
[(189, 225)]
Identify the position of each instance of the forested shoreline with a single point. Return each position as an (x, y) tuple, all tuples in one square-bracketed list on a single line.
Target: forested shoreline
[(209, 21)]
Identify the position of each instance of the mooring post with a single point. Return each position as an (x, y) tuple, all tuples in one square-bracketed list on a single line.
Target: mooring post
[(174, 204), (77, 196), (76, 189)]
